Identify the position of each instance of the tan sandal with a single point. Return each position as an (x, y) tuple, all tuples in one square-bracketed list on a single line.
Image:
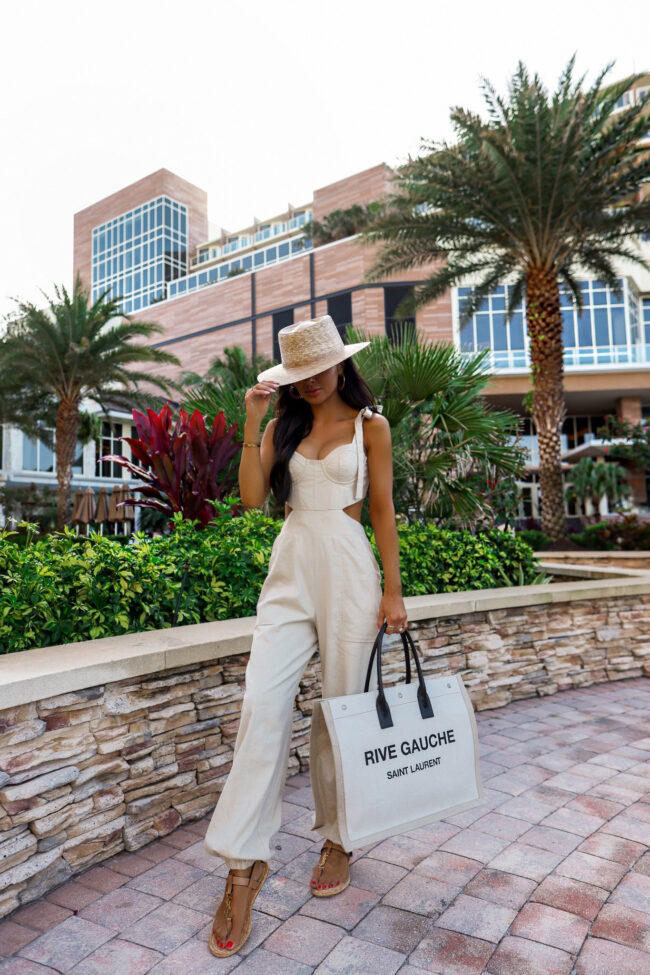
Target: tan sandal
[(254, 881), (319, 890)]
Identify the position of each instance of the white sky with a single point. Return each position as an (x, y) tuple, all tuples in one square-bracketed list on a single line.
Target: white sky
[(258, 102)]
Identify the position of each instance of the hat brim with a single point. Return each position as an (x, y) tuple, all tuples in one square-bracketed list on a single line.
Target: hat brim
[(284, 375)]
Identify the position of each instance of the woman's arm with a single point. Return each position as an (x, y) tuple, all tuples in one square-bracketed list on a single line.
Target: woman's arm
[(256, 462), (382, 518)]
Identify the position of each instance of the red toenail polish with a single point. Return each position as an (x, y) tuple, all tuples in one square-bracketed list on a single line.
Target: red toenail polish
[(229, 945)]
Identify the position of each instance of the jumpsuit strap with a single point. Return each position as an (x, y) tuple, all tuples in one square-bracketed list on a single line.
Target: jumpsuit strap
[(358, 435)]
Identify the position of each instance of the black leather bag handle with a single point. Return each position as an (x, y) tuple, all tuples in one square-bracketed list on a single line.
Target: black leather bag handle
[(383, 711), (407, 658)]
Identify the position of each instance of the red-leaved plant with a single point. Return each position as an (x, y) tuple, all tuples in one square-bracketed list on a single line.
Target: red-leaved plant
[(183, 468)]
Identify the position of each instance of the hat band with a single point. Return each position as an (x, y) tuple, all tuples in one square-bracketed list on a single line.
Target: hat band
[(300, 361)]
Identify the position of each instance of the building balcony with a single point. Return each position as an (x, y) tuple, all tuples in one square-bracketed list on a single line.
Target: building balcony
[(586, 358)]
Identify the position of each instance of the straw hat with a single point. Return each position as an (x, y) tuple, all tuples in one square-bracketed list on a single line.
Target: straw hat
[(307, 348)]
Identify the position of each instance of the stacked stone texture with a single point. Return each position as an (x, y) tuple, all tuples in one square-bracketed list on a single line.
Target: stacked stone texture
[(87, 774)]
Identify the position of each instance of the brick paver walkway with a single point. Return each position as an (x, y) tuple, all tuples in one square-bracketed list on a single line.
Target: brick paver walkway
[(550, 877)]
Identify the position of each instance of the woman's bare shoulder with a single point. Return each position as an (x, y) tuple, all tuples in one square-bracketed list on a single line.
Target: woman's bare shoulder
[(376, 430)]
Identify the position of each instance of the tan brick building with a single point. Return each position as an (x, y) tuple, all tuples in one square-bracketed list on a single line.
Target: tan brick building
[(214, 289)]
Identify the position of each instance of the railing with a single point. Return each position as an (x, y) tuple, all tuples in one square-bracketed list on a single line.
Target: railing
[(598, 356)]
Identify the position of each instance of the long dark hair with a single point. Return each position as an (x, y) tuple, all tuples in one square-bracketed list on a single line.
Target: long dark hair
[(295, 420)]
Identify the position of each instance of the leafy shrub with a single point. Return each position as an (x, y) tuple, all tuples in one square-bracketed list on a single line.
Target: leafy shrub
[(537, 540), (64, 588), (436, 560), (623, 534)]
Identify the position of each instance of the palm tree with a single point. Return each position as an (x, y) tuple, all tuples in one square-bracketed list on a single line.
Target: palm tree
[(546, 186), (223, 386), (591, 480), (446, 439), (339, 224), (54, 357)]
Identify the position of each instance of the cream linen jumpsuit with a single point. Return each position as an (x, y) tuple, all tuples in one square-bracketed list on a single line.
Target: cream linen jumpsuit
[(322, 591)]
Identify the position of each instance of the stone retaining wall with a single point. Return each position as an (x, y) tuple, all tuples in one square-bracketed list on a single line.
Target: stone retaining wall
[(97, 769), (619, 560)]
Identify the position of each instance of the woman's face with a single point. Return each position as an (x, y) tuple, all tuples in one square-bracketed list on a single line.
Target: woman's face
[(318, 388)]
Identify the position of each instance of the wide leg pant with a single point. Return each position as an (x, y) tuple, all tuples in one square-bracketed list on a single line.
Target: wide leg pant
[(322, 592)]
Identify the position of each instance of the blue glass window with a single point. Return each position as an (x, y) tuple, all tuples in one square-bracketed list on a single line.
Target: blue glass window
[(584, 329), (500, 332), (247, 262), (271, 254), (283, 250), (467, 337), (601, 326), (30, 451), (259, 258), (618, 326), (483, 331), (569, 332), (517, 331)]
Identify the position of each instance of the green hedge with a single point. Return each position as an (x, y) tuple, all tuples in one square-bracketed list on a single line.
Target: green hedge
[(537, 540), (627, 534), (61, 589)]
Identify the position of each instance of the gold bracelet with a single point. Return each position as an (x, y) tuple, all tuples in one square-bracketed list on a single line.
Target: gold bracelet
[(250, 444)]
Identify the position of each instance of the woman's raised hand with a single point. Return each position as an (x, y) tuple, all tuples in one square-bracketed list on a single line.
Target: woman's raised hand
[(257, 399)]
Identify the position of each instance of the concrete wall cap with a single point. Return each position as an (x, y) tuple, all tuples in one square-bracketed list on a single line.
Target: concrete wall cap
[(30, 675)]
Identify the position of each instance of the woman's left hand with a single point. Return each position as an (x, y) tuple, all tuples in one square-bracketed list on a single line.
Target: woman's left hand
[(393, 610)]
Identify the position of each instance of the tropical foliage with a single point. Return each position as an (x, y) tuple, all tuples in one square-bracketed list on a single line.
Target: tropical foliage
[(627, 534), (591, 480), (541, 188), (342, 223), (64, 588), (33, 503), (73, 349), (452, 454), (184, 468), (629, 441), (221, 389)]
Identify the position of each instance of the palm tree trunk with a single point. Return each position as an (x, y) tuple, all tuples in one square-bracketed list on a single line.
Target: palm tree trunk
[(67, 427), (544, 321)]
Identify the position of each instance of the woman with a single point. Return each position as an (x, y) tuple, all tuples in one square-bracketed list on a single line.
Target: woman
[(322, 592)]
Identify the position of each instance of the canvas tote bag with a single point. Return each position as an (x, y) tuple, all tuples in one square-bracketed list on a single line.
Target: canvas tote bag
[(388, 760)]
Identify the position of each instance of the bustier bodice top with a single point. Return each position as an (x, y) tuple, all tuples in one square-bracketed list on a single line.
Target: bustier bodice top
[(334, 481)]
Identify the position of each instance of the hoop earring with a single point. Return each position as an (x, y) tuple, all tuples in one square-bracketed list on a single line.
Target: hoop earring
[(341, 384), (293, 392)]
